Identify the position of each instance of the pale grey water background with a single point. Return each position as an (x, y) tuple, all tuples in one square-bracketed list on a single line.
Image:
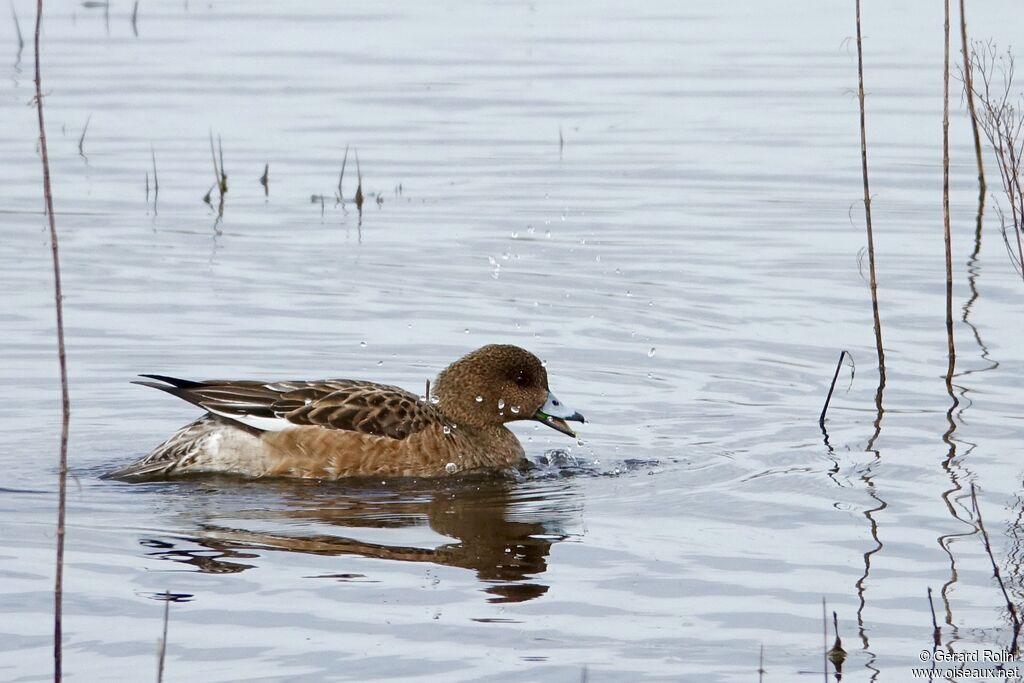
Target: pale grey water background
[(705, 204)]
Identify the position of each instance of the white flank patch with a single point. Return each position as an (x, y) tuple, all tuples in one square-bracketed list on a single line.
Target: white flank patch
[(266, 424)]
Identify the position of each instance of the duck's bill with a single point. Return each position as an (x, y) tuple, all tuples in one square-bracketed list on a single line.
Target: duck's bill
[(556, 414)]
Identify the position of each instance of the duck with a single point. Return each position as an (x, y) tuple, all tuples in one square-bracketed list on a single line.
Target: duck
[(338, 428)]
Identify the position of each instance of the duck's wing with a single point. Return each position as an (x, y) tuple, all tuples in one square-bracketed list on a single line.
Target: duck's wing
[(343, 404)]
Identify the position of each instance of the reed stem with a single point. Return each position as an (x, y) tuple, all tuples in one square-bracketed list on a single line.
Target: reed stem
[(62, 472)]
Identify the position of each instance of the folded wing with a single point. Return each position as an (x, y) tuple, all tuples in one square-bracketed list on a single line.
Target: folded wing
[(350, 405)]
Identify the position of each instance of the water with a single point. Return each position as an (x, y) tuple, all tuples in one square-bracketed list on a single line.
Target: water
[(591, 181)]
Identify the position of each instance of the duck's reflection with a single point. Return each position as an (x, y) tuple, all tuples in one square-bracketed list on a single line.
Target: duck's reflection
[(502, 530)]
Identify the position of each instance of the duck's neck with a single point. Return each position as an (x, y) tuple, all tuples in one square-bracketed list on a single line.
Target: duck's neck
[(493, 446)]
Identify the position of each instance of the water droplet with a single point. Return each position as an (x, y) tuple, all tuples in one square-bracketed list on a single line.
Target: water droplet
[(435, 400), (362, 344), (479, 399), (543, 363), (501, 404), (451, 468), (447, 429), (380, 363), (515, 235), (650, 353), (515, 410)]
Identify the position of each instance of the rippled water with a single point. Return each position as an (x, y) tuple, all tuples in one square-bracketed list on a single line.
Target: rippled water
[(662, 201)]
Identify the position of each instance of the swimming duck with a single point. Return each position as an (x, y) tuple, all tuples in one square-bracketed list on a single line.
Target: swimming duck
[(335, 428)]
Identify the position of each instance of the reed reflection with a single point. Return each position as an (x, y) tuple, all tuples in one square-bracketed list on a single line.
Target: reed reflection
[(501, 530)]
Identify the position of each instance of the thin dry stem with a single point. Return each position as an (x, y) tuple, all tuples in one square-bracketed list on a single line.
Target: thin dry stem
[(832, 387), (62, 472), (867, 218), (968, 76), (1010, 607), (162, 650), (81, 140), (946, 231), (341, 176)]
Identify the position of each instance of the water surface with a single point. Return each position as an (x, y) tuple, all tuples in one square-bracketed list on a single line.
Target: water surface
[(661, 201)]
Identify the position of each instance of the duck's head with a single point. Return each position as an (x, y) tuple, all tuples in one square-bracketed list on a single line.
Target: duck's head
[(500, 383)]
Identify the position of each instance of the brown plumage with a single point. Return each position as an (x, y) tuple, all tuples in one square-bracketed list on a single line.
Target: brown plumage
[(329, 429)]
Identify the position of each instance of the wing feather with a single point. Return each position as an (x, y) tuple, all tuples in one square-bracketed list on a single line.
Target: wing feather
[(349, 405)]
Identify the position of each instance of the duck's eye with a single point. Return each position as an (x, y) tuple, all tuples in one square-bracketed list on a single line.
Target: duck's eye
[(522, 380)]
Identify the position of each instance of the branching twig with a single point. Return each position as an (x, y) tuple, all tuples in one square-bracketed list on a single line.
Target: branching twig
[(1002, 120)]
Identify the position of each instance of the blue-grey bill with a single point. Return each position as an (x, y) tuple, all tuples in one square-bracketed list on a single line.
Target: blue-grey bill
[(554, 414)]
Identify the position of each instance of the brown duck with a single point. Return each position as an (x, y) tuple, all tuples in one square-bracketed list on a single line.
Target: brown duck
[(334, 428)]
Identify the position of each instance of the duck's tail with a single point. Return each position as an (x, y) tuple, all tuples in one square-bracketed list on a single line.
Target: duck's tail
[(173, 455)]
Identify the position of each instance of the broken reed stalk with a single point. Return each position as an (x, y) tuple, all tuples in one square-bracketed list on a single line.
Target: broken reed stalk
[(265, 179), (156, 182), (62, 472), (135, 19), (162, 650), (936, 631), (824, 638), (221, 178), (81, 140), (867, 217), (17, 29), (760, 666), (341, 176), (832, 388), (969, 91), (837, 655), (950, 343), (223, 173), (1011, 608), (359, 187)]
